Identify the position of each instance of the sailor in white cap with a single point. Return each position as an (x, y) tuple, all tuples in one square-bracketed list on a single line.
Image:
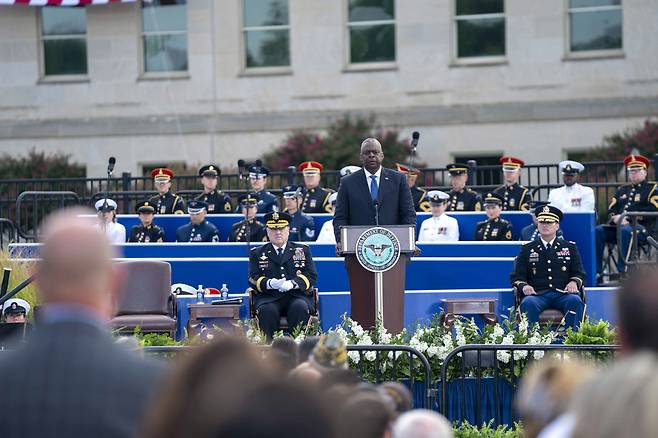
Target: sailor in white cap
[(115, 232), (15, 311), (572, 196), (440, 227), (347, 170), (327, 232)]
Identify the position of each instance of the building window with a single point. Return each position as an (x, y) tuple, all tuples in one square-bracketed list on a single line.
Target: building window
[(480, 28), (595, 25), (371, 28), (266, 33), (164, 35), (64, 39)]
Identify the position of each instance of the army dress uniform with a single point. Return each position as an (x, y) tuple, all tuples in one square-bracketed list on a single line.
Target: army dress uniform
[(218, 202), (142, 234), (418, 195), (248, 231), (465, 200), (269, 265), (515, 197), (493, 229), (168, 204), (145, 234), (628, 198), (548, 267), (316, 200)]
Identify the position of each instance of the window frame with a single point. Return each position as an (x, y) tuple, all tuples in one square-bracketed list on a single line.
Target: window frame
[(347, 43), (41, 50), (590, 54), (267, 70), (141, 33), (476, 60)]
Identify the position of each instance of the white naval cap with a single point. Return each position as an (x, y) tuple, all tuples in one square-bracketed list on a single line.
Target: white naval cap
[(570, 166), (182, 288), (111, 205), (333, 197), (437, 196), (348, 170), (16, 305)]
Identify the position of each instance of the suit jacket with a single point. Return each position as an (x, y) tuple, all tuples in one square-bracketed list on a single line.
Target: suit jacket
[(295, 264), (354, 205), (72, 380)]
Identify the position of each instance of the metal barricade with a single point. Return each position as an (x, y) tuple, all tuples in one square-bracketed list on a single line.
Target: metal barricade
[(8, 233), (482, 360), (404, 366), (38, 205)]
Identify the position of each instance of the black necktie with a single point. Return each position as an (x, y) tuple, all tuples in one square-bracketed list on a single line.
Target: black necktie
[(279, 251), (548, 247)]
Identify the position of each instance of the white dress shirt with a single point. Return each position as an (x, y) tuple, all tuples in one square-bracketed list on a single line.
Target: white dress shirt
[(572, 199), (327, 233), (377, 174), (439, 229)]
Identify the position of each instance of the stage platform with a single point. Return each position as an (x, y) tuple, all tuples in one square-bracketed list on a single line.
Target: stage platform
[(419, 305)]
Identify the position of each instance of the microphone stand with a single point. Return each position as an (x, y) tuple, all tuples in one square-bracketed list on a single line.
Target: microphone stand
[(107, 194), (375, 204)]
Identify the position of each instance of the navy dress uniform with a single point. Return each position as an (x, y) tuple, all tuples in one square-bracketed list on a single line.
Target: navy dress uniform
[(548, 267), (218, 201), (302, 227), (15, 306), (169, 203), (283, 279), (515, 196), (248, 230), (496, 228), (418, 195), (201, 232), (146, 233), (466, 199), (316, 199), (639, 197), (266, 201)]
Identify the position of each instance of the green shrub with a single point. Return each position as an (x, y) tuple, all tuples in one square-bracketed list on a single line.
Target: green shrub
[(466, 430)]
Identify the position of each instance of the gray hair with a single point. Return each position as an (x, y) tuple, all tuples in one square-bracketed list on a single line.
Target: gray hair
[(371, 140), (422, 423)]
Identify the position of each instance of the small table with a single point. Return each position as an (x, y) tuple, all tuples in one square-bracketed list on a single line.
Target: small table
[(225, 316), (485, 307)]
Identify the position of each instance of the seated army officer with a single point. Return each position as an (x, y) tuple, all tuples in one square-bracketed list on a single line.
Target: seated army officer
[(282, 274), (495, 227), (249, 229), (548, 272), (199, 229), (146, 231)]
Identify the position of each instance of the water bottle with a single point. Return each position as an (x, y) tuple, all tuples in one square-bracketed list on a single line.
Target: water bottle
[(224, 292), (200, 294)]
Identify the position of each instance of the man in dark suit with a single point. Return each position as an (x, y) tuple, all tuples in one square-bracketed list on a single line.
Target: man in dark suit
[(72, 378), (373, 184), (374, 195), (282, 274), (548, 273)]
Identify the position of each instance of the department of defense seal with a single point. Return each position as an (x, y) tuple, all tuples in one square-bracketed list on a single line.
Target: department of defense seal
[(377, 249)]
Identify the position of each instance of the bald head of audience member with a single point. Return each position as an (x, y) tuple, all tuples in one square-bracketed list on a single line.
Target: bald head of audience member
[(422, 424), (637, 304), (76, 264)]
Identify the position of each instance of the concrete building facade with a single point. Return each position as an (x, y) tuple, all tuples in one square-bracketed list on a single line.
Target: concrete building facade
[(540, 99)]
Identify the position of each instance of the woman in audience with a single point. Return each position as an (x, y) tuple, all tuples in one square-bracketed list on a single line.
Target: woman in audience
[(546, 391), (107, 218), (621, 403)]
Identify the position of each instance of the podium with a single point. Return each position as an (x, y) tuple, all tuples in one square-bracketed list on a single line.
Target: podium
[(377, 291)]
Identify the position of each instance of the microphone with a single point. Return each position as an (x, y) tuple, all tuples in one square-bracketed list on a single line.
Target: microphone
[(241, 165), (110, 164), (414, 139), (375, 204)]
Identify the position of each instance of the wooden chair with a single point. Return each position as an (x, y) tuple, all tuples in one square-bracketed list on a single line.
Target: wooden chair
[(551, 317), (314, 317)]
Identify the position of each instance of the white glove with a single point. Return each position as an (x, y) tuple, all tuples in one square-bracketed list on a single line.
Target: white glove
[(275, 283), (286, 286)]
